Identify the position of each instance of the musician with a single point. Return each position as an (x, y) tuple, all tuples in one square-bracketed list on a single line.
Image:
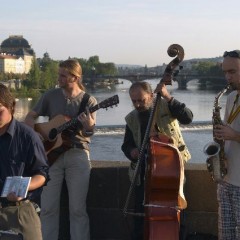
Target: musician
[(136, 123), (72, 164), (228, 192), (21, 154)]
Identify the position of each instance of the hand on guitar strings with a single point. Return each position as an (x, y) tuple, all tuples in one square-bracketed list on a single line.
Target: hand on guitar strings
[(87, 120)]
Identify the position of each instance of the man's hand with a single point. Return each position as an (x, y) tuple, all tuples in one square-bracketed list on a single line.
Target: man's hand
[(12, 197), (225, 132), (134, 153), (30, 119), (87, 120), (161, 88)]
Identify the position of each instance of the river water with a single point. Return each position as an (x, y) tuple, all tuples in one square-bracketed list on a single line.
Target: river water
[(107, 141)]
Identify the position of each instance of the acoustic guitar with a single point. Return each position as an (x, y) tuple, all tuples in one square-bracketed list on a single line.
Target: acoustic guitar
[(51, 132)]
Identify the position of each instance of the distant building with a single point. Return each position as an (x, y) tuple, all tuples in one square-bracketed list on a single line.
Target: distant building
[(16, 55)]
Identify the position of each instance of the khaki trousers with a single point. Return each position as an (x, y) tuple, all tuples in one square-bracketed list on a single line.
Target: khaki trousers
[(21, 219), (74, 166)]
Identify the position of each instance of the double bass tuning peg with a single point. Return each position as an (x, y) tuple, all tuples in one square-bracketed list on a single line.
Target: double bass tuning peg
[(176, 72)]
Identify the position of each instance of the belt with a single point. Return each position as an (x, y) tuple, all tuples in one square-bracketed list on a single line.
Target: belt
[(5, 203), (75, 145)]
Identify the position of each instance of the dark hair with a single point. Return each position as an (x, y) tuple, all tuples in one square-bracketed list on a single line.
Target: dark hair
[(6, 98), (73, 67), (234, 54), (144, 85)]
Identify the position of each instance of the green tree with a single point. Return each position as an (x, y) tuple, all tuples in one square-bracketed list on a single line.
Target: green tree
[(93, 61), (93, 66), (207, 68), (107, 69), (34, 75), (49, 74), (212, 75), (216, 70)]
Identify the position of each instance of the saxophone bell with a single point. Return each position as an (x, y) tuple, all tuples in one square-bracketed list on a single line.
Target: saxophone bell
[(212, 150)]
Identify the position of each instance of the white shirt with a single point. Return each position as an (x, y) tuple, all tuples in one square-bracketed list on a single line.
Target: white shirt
[(232, 148)]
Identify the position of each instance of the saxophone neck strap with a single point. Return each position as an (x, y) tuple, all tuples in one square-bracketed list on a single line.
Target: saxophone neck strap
[(234, 112)]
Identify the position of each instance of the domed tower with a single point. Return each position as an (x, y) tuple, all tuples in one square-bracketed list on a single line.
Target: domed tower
[(18, 46), (15, 43)]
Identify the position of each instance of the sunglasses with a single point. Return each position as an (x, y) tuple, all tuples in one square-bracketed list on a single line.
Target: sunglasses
[(234, 54)]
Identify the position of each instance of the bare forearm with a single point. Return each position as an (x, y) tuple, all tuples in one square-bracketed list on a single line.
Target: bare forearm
[(36, 182), (30, 118)]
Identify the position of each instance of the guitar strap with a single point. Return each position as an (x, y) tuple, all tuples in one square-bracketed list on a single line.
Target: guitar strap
[(83, 103), (81, 109)]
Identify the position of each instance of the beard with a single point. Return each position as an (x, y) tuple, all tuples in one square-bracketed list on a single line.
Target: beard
[(144, 108)]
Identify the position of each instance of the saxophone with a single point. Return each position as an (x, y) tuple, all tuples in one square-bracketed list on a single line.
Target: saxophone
[(215, 150)]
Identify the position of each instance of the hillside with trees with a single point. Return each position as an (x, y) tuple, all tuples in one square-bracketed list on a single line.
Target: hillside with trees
[(44, 72)]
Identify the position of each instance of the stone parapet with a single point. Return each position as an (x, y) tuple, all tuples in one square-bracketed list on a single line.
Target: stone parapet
[(108, 189)]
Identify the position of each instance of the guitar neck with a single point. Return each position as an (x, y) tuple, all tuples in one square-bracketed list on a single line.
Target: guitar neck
[(75, 121), (68, 124)]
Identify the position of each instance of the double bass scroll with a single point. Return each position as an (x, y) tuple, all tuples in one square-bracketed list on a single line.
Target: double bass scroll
[(176, 51)]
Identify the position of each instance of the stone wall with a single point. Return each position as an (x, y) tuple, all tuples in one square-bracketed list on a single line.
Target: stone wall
[(108, 190)]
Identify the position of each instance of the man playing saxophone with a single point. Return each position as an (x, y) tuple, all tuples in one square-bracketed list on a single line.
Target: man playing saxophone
[(228, 192)]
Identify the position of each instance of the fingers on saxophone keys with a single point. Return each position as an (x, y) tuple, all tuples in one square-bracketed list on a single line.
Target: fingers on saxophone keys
[(220, 136)]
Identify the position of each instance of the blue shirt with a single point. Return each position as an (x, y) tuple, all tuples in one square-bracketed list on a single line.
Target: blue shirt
[(20, 146)]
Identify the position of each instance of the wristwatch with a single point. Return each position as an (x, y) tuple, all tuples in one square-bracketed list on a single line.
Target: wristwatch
[(88, 133)]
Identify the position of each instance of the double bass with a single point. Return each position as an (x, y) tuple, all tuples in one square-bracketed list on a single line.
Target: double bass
[(163, 197)]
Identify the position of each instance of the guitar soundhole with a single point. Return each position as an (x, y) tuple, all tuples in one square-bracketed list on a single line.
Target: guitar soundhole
[(52, 134)]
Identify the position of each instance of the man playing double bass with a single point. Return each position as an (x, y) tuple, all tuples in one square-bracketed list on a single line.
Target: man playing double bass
[(171, 112)]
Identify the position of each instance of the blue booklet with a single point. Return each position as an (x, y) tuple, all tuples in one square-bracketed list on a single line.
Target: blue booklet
[(17, 184)]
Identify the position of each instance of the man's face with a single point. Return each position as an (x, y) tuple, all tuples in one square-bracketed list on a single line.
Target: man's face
[(5, 116), (65, 79), (141, 100), (231, 69)]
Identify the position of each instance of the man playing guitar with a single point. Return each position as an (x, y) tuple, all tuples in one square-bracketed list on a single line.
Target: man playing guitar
[(73, 162)]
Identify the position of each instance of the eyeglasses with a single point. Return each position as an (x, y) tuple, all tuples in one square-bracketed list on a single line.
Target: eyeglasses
[(234, 54)]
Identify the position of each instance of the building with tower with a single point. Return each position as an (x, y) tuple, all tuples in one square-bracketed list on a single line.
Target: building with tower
[(16, 55)]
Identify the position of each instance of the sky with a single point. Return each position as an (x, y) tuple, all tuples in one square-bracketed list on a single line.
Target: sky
[(135, 32)]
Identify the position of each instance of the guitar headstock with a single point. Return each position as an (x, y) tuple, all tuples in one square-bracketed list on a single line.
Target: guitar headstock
[(109, 102)]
